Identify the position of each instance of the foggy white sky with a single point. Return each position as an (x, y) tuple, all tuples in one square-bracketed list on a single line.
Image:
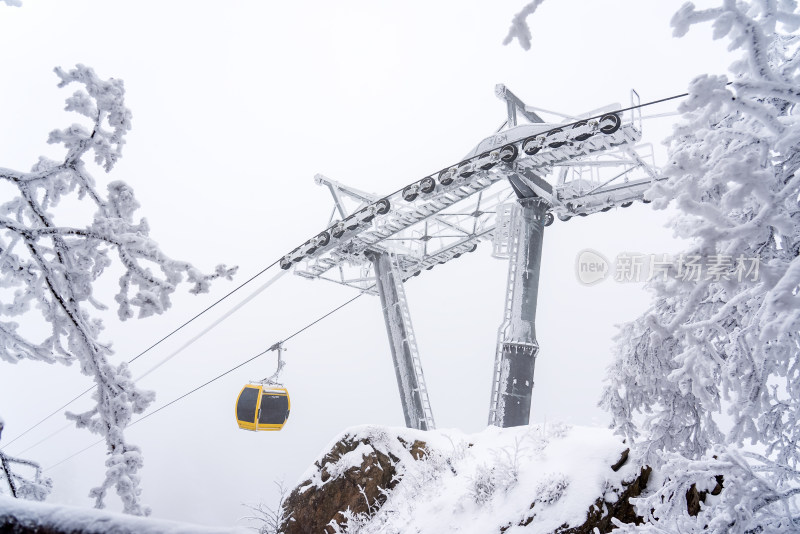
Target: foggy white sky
[(236, 105)]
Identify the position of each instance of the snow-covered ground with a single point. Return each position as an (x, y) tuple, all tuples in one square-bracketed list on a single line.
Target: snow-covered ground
[(62, 518)]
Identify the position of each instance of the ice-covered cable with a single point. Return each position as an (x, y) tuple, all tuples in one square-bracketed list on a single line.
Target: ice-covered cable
[(215, 323), (148, 349), (60, 430), (272, 347)]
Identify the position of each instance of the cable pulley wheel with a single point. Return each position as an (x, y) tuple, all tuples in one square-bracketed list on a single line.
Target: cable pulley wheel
[(409, 193), (531, 146), (446, 177), (508, 153), (555, 144), (610, 123), (583, 136)]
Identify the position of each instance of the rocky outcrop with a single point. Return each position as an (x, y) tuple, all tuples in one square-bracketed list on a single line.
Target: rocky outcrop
[(695, 497), (603, 511), (559, 480), (356, 474), (614, 504)]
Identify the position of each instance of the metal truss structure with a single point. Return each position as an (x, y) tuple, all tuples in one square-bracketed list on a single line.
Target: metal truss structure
[(506, 190)]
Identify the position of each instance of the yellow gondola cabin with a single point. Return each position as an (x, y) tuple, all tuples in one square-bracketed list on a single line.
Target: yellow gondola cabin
[(262, 407)]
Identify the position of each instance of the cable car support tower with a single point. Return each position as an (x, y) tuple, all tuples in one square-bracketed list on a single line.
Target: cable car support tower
[(510, 187)]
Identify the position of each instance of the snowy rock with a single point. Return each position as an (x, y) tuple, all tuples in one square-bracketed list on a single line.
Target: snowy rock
[(525, 479), (694, 496), (356, 474)]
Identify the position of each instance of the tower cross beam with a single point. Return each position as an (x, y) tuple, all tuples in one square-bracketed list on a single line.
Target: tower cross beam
[(514, 104)]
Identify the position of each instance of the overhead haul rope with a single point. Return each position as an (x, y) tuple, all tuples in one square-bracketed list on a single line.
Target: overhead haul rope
[(274, 346), (216, 323), (148, 349), (638, 106)]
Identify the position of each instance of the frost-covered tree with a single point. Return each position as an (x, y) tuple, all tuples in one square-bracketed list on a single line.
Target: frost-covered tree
[(707, 381), (48, 265), (35, 486), (519, 29), (268, 519)]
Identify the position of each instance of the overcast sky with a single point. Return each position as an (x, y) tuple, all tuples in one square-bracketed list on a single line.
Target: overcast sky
[(236, 105)]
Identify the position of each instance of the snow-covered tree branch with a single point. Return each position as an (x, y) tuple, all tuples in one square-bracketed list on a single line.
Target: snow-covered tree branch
[(51, 268), (35, 486), (519, 29), (268, 519), (713, 366)]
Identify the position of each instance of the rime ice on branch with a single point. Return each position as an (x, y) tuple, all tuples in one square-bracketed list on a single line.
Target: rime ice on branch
[(51, 268), (726, 349), (519, 29), (35, 487)]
